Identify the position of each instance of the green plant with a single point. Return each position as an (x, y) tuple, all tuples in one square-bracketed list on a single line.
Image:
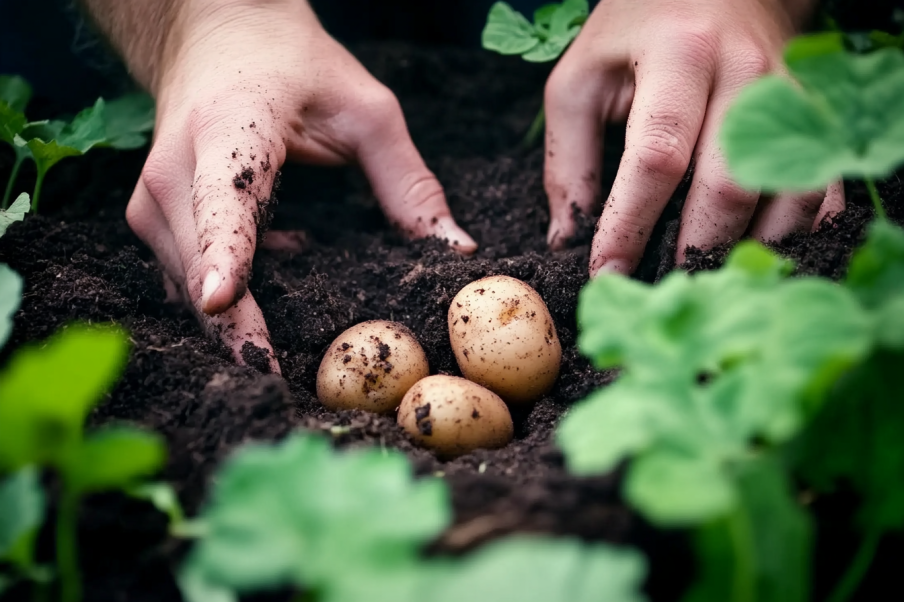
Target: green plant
[(15, 213), (46, 393), (555, 26), (120, 124), (739, 382), (346, 527)]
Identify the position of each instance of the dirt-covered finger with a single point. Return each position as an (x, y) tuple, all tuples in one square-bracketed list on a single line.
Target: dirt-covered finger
[(786, 213), (243, 330), (833, 204), (411, 196)]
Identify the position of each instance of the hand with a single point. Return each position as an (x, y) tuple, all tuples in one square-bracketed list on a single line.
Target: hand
[(242, 86), (672, 67)]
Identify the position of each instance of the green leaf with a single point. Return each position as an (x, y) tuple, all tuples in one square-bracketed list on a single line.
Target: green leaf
[(543, 17), (127, 121), (114, 458), (507, 31), (15, 213), (876, 276), (674, 489), (846, 118), (534, 569), (47, 390), (300, 513), (12, 123), (10, 297), (49, 146), (857, 439), (15, 92), (760, 552), (22, 507), (818, 44), (710, 363)]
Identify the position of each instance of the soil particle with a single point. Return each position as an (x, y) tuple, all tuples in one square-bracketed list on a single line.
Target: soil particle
[(256, 357)]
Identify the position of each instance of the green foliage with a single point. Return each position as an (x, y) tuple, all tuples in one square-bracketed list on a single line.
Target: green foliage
[(10, 297), (22, 506), (345, 527), (555, 25), (15, 213), (711, 363), (123, 124), (46, 393), (843, 117)]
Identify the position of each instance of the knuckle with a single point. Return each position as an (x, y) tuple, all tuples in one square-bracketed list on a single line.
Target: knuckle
[(752, 61), (378, 112), (423, 191), (661, 150), (732, 198), (568, 87), (696, 41), (157, 176)]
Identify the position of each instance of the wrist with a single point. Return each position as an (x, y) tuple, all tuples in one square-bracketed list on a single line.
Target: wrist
[(203, 30)]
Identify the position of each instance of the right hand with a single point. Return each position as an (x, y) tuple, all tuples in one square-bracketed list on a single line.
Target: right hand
[(241, 87)]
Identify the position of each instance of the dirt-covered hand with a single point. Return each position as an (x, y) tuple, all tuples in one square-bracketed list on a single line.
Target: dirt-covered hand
[(672, 68), (242, 86)]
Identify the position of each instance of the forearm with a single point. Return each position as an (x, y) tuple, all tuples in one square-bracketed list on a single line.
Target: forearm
[(149, 34)]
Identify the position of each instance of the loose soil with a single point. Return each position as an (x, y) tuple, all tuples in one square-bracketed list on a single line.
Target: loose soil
[(467, 111)]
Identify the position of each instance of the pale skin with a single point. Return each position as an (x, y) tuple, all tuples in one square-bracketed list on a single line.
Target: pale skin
[(244, 85)]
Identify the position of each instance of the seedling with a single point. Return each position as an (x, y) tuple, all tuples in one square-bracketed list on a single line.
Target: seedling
[(345, 527), (121, 124), (41, 426), (555, 26), (15, 213)]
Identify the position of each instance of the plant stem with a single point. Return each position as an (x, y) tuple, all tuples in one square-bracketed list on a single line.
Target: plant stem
[(856, 571), (37, 193), (67, 552), (536, 128), (877, 200), (12, 179), (744, 576)]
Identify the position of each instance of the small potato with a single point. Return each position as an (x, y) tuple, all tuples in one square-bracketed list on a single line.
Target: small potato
[(504, 338), (370, 367), (454, 416)]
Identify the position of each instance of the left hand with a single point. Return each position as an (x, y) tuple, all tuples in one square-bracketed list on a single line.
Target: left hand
[(672, 67)]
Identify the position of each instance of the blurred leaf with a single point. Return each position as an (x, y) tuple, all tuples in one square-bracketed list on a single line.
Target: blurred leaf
[(845, 118), (113, 458), (47, 390), (507, 31), (555, 25), (10, 297), (128, 120), (22, 507), (15, 92), (710, 363)]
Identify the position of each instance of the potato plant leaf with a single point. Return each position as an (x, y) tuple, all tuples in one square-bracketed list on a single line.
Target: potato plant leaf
[(15, 92), (127, 121), (300, 514), (15, 213), (47, 390), (114, 458), (876, 276), (10, 297), (555, 25), (760, 551), (843, 117), (710, 363), (534, 569), (857, 438), (22, 507)]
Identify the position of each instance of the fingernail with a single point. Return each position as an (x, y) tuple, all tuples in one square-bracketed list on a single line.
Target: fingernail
[(458, 239), (209, 288), (613, 266)]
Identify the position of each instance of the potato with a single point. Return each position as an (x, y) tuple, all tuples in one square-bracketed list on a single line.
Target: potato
[(504, 338), (370, 367), (454, 416)]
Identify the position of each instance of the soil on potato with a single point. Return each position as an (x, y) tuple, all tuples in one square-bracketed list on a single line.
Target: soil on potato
[(467, 111)]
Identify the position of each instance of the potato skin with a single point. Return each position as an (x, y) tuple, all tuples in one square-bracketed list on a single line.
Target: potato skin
[(504, 338), (370, 367), (454, 416)]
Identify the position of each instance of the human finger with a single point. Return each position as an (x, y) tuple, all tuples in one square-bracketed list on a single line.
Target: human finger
[(670, 100), (410, 195)]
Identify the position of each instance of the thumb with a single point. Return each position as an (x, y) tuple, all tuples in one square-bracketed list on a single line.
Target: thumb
[(411, 196)]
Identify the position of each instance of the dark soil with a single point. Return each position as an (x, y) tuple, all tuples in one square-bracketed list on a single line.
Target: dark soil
[(467, 112)]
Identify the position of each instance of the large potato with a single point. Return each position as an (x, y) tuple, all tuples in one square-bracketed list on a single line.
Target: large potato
[(504, 338), (370, 367), (454, 416)]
